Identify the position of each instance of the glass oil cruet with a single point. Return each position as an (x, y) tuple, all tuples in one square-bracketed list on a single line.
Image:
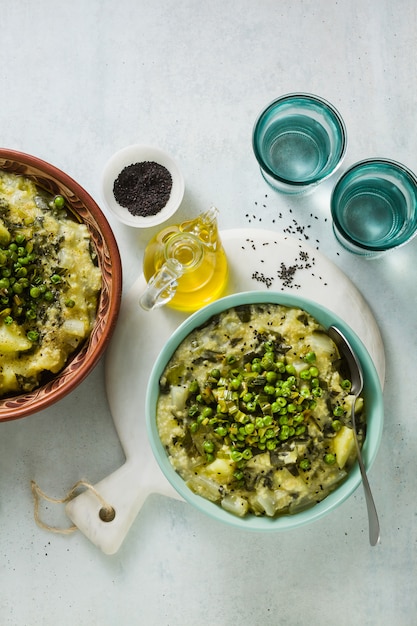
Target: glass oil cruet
[(185, 265)]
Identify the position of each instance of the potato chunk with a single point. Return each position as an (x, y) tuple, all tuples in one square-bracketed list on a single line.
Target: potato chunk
[(12, 339), (343, 445)]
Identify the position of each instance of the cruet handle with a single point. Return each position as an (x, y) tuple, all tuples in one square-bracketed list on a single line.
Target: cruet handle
[(162, 286)]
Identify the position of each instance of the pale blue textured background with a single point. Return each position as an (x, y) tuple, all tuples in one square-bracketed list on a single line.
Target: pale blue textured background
[(82, 79)]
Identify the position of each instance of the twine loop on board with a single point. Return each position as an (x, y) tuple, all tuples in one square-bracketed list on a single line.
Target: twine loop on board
[(106, 513)]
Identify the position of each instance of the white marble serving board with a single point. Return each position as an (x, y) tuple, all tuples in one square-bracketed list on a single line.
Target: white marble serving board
[(258, 260)]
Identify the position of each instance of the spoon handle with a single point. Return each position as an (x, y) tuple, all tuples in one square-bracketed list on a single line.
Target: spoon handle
[(374, 530)]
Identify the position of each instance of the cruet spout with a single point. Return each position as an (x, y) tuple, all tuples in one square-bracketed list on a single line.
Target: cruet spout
[(162, 286), (204, 226)]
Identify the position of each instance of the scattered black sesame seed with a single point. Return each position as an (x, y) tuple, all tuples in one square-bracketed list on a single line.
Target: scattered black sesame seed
[(261, 278)]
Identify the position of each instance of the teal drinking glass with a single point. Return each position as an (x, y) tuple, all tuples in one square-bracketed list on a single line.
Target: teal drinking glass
[(299, 140), (374, 207)]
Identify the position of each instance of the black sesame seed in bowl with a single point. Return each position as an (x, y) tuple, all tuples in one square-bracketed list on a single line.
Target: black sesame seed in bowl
[(142, 186)]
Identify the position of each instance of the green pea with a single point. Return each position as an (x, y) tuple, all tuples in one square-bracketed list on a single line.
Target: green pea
[(35, 292), (208, 446), (310, 357), (18, 288), (304, 464), (330, 459), (281, 402), (193, 388), (21, 272), (221, 431), (271, 377), (267, 361), (59, 202), (284, 433), (31, 314), (20, 239)]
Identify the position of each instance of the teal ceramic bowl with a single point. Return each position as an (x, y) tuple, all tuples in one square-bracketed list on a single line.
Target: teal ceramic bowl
[(372, 396)]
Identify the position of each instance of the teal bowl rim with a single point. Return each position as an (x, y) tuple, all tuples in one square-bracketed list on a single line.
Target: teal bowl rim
[(372, 394), (337, 120)]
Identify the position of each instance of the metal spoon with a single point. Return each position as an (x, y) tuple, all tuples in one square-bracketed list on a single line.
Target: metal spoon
[(357, 386)]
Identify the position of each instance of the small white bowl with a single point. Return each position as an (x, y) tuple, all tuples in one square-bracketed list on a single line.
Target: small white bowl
[(139, 153)]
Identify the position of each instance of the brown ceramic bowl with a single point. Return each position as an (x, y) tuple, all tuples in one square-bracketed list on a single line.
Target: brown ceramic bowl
[(54, 181)]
